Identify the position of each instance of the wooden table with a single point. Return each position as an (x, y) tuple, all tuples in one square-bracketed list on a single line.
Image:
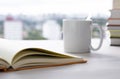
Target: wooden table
[(102, 64)]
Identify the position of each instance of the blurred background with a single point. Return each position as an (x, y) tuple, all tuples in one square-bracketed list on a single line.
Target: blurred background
[(42, 19)]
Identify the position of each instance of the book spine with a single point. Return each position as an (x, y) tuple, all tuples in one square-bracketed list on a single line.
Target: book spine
[(115, 44), (115, 41), (114, 33), (113, 28), (115, 38), (112, 25), (113, 18), (117, 9), (3, 69), (115, 22)]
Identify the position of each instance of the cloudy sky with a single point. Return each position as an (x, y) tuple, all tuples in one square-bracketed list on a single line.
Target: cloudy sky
[(34, 7)]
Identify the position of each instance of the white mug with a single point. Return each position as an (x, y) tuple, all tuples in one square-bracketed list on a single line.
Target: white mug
[(77, 36)]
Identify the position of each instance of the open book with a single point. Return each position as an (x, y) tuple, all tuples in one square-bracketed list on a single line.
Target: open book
[(17, 57)]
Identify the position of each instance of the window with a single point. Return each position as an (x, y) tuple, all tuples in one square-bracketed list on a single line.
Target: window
[(42, 19)]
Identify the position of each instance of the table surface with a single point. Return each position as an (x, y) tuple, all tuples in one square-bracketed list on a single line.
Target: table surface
[(102, 64)]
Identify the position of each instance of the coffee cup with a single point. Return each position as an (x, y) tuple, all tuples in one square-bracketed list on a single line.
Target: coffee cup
[(77, 36)]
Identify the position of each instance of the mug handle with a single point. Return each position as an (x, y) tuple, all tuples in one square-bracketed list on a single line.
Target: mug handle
[(101, 38)]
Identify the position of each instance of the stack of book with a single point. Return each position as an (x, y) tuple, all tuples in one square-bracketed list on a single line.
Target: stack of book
[(114, 26)]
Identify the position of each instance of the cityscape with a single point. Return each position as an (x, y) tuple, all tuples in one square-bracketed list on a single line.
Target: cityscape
[(42, 27), (42, 19)]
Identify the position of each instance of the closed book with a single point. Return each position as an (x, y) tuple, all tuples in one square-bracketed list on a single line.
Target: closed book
[(113, 27), (115, 41), (115, 13), (114, 33), (114, 21)]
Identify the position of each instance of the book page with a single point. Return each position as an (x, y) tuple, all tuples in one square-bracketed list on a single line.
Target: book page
[(37, 52), (11, 49), (42, 61), (8, 49)]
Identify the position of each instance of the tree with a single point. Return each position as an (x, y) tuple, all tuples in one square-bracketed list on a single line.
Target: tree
[(35, 35)]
